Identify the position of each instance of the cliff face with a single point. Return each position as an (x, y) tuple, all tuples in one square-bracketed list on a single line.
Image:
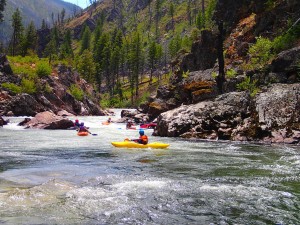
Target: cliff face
[(55, 96)]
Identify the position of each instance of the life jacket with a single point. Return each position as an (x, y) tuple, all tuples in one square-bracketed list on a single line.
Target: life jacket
[(144, 139), (82, 129)]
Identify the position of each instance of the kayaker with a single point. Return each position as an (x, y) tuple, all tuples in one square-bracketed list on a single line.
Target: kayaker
[(109, 120), (143, 139), (76, 124), (129, 124), (144, 121), (82, 128)]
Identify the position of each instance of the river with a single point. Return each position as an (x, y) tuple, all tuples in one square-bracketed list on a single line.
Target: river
[(57, 177)]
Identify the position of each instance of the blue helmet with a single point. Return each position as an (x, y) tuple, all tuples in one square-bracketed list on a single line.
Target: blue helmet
[(81, 124), (142, 132)]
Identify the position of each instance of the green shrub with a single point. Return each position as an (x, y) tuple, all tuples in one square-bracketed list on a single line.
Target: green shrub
[(76, 92), (28, 86), (260, 53), (47, 88), (231, 73), (43, 69), (12, 87), (287, 40), (214, 75), (270, 4), (248, 85), (186, 74)]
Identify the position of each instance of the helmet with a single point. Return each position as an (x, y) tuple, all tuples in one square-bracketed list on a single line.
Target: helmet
[(142, 132), (81, 124), (77, 121)]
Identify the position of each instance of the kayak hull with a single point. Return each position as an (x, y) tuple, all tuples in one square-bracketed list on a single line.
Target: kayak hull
[(82, 133), (131, 128), (148, 126), (132, 144), (105, 123)]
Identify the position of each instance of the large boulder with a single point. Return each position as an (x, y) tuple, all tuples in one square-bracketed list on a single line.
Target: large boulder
[(48, 120), (6, 73), (272, 116), (286, 65), (4, 65), (24, 105), (3, 122), (205, 119)]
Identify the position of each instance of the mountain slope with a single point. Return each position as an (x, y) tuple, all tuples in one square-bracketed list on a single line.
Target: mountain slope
[(36, 11)]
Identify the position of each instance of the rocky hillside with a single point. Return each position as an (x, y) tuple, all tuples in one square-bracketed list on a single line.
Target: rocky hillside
[(51, 93), (36, 11), (261, 97)]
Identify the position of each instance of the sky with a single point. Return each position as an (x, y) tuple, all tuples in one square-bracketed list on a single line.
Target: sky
[(82, 3)]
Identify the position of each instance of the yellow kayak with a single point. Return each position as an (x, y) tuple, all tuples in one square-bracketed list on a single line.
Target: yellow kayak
[(132, 144)]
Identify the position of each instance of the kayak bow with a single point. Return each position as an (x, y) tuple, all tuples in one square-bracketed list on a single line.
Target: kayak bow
[(82, 133)]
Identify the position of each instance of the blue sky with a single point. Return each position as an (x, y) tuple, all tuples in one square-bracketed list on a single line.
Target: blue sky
[(82, 3)]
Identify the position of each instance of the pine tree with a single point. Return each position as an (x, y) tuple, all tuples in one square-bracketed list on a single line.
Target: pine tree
[(200, 20), (150, 14), (106, 66), (151, 58), (56, 36), (2, 5), (175, 45), (189, 14), (86, 39), (115, 63), (50, 49), (62, 15), (66, 48), (172, 11), (86, 66), (17, 32), (135, 56), (44, 25), (97, 34), (157, 16), (100, 55), (30, 39)]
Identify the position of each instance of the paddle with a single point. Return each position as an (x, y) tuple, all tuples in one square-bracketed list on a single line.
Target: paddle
[(92, 134), (127, 139)]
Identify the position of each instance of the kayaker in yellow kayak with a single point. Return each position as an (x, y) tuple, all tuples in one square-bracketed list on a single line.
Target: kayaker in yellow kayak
[(143, 139)]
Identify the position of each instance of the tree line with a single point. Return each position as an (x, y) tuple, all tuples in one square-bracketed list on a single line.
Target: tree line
[(111, 58)]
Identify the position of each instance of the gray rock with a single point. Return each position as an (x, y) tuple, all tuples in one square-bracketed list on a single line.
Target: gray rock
[(48, 120)]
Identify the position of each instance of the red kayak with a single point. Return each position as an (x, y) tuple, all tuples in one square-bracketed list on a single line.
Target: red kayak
[(83, 133), (131, 128), (148, 126)]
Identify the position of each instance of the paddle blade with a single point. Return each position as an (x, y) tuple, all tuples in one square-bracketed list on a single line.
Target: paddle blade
[(94, 134)]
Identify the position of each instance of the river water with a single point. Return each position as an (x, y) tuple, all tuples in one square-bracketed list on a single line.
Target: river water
[(57, 177)]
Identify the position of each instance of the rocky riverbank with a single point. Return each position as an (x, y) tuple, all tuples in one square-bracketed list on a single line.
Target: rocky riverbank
[(54, 94)]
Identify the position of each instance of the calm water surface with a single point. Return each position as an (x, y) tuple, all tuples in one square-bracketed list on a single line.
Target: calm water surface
[(57, 177)]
